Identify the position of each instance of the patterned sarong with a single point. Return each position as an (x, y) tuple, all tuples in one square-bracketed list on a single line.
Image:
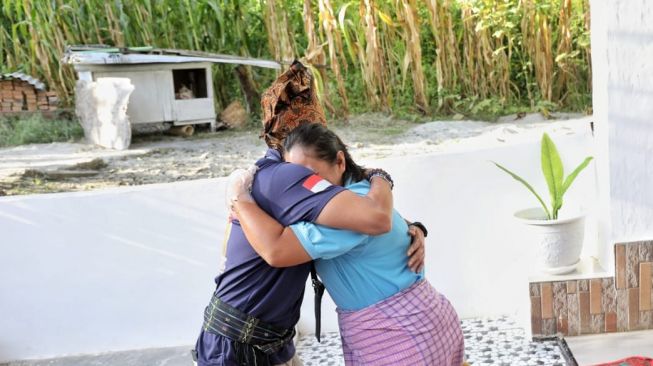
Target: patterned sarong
[(417, 326)]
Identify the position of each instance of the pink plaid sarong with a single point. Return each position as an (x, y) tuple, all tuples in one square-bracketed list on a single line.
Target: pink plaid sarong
[(417, 326)]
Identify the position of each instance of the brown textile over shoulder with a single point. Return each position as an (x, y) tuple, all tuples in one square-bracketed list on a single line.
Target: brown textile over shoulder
[(289, 102)]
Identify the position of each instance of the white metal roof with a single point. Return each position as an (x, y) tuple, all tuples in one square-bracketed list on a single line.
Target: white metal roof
[(146, 55)]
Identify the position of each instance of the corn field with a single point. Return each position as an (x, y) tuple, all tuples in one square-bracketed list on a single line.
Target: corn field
[(418, 56)]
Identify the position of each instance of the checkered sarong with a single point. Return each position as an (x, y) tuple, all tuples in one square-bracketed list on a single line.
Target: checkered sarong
[(417, 326)]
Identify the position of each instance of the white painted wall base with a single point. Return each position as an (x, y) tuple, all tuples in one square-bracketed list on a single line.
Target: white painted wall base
[(110, 270)]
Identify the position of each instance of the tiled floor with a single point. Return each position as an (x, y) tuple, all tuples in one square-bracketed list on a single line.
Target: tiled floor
[(487, 342)]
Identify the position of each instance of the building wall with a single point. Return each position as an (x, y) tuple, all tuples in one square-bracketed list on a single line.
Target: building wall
[(629, 111)]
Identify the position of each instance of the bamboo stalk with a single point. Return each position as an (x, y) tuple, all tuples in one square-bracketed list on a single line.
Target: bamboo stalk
[(412, 38), (334, 42)]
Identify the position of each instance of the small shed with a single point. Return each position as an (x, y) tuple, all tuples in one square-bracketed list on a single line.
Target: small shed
[(172, 86)]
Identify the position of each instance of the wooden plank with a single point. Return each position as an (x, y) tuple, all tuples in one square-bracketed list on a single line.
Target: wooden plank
[(595, 296), (645, 273)]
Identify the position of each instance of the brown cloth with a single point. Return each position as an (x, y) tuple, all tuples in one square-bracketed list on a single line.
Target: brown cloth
[(290, 101)]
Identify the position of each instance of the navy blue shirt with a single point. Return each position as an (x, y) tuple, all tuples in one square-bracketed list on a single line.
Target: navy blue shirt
[(288, 193)]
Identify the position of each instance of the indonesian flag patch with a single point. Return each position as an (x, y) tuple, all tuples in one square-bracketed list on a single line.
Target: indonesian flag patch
[(316, 184)]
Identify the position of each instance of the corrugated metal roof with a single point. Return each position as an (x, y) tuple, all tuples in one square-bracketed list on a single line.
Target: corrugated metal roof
[(36, 83), (102, 55)]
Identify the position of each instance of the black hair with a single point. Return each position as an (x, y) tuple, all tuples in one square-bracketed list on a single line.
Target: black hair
[(325, 144)]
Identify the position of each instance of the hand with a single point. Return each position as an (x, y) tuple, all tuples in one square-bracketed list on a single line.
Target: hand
[(239, 185), (416, 251)]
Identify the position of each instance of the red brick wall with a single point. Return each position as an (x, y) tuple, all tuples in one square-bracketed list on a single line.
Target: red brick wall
[(17, 95)]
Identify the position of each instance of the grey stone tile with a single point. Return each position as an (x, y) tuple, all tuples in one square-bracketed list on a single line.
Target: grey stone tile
[(609, 295), (535, 289), (597, 323), (573, 311), (646, 251), (632, 265), (559, 299), (622, 310)]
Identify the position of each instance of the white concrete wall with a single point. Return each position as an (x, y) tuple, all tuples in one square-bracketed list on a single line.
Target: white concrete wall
[(133, 268), (110, 270), (624, 78)]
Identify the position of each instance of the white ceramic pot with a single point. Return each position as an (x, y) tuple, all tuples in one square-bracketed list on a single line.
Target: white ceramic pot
[(559, 242)]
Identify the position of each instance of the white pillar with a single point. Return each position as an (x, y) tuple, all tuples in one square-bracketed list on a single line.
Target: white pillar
[(599, 42), (628, 76)]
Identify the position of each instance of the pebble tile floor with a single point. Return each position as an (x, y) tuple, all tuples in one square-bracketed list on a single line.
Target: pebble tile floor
[(496, 341)]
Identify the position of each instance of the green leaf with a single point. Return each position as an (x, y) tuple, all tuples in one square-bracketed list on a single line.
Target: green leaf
[(553, 171), (386, 18), (570, 178), (522, 181)]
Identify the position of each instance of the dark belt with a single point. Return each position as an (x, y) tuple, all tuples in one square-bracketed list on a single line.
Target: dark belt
[(223, 319)]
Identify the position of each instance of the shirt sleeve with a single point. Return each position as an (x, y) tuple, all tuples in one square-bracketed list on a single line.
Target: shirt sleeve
[(291, 193), (324, 242)]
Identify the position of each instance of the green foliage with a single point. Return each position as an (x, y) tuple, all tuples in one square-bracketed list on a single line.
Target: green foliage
[(36, 129), (553, 172), (499, 54)]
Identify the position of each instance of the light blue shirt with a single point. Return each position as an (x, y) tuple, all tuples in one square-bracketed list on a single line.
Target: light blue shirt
[(359, 270)]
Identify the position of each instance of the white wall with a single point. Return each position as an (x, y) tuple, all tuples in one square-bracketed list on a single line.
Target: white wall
[(133, 268), (629, 81), (109, 270)]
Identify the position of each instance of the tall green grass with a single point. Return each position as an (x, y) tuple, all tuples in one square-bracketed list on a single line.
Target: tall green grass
[(37, 129), (431, 56)]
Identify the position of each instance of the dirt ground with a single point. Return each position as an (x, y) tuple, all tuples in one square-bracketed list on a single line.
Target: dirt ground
[(158, 158)]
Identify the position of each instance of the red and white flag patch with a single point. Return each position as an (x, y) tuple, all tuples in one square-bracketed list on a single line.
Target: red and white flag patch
[(316, 184)]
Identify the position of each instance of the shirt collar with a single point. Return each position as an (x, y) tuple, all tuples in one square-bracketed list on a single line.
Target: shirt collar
[(273, 154)]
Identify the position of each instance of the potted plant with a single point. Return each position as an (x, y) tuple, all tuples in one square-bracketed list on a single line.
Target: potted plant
[(560, 239)]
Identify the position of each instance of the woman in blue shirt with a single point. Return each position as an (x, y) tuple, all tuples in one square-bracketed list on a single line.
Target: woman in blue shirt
[(388, 315)]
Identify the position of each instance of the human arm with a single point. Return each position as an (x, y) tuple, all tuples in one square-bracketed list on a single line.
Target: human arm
[(370, 214), (280, 246), (292, 193), (289, 246), (277, 245)]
